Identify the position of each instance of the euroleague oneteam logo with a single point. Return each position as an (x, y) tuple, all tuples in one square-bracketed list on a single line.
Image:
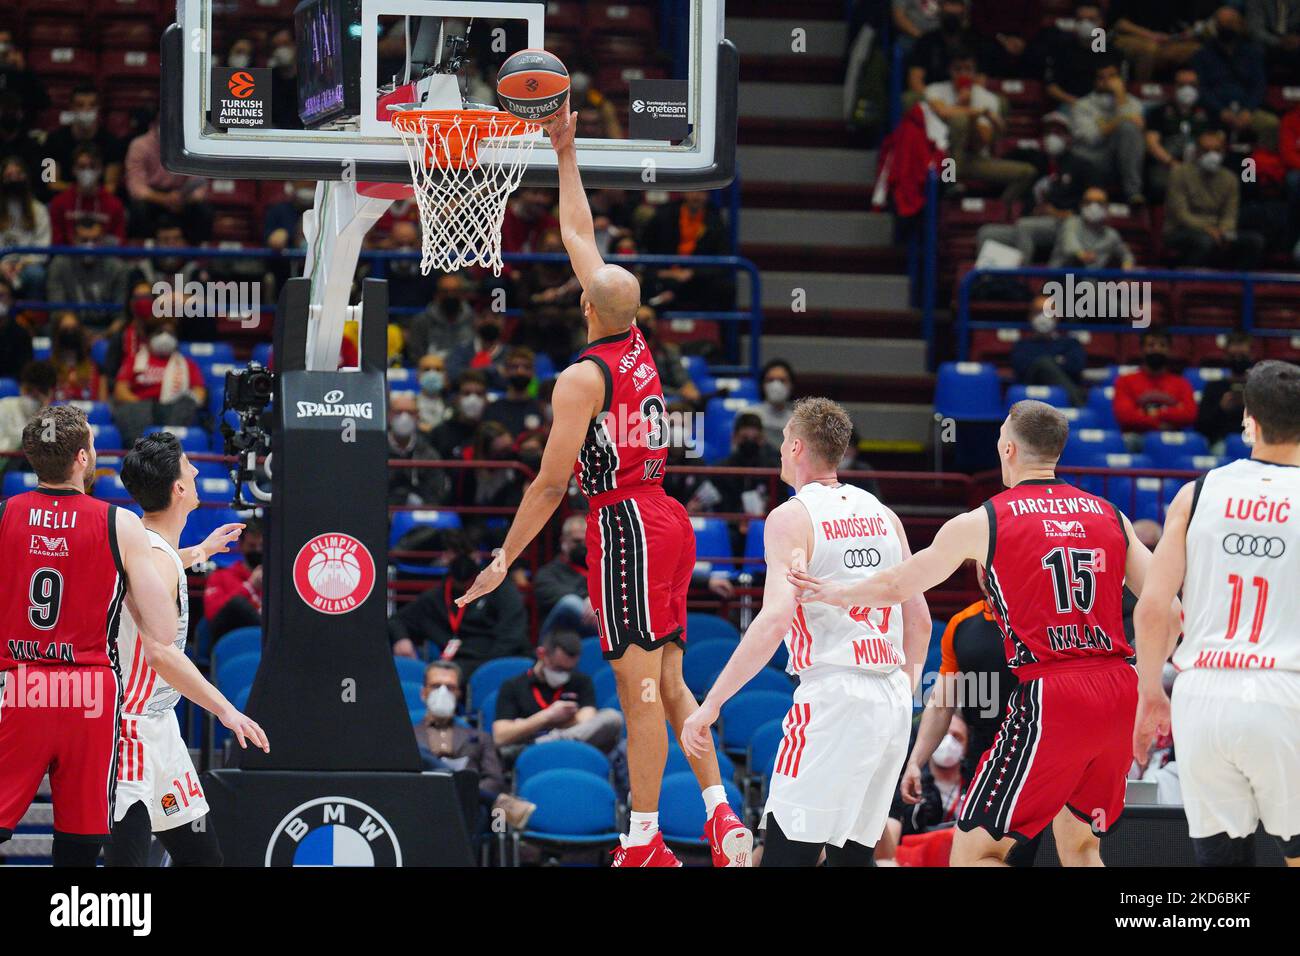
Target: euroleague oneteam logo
[(333, 831), (333, 573), (241, 85)]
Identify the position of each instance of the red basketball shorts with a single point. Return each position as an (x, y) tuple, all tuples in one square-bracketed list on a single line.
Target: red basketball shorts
[(1066, 741), (62, 721), (640, 555)]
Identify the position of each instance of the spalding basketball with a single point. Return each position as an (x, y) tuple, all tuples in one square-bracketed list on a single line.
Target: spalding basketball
[(532, 85)]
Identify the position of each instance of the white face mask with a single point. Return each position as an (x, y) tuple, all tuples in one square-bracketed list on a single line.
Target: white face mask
[(87, 178), (239, 60), (85, 117), (472, 405), (1043, 323), (1211, 161), (1186, 95), (163, 344), (1054, 144), (776, 391), (403, 424), (283, 56), (1093, 213), (948, 753), (1085, 28), (441, 702), (555, 677)]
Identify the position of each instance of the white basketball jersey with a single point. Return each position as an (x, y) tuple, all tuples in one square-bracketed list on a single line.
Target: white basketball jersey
[(852, 539), (146, 692), (1241, 597)]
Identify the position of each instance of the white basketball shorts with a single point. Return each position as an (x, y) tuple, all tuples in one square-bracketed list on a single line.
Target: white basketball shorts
[(1238, 750), (154, 768), (837, 767)]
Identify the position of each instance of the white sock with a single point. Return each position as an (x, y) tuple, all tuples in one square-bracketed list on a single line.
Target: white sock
[(714, 797), (642, 828)]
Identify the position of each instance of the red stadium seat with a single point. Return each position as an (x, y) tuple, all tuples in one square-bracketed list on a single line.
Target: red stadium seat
[(1206, 349), (621, 18), (281, 10), (132, 93), (63, 61), (563, 15), (1282, 99), (128, 35), (1286, 349), (126, 8), (55, 33), (233, 193), (126, 64), (234, 225), (992, 345)]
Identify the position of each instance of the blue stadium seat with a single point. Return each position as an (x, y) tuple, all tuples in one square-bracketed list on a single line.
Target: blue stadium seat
[(110, 488), (736, 388), (192, 438), (712, 541), (241, 640), (202, 522), (1200, 463), (1053, 395), (404, 522), (492, 674), (746, 712), (17, 482), (968, 391), (780, 657), (559, 755), (763, 748), (574, 808), (1101, 399), (681, 808), (8, 387), (769, 678), (413, 691), (592, 658), (604, 682), (236, 672), (410, 669), (1086, 418), (97, 413), (1087, 443), (212, 469), (214, 489), (403, 380), (1165, 448), (1102, 484), (697, 366), (416, 714), (1234, 446), (262, 353), (702, 661), (1137, 497), (1199, 376), (543, 367), (611, 702), (719, 418), (487, 712), (702, 627), (755, 562), (40, 347), (106, 436), (209, 352), (99, 351), (677, 762)]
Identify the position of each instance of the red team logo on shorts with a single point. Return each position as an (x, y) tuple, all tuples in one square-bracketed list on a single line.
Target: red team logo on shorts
[(334, 573)]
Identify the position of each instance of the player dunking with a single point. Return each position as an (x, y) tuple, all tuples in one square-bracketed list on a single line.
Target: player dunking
[(1232, 544), (608, 428), (70, 563), (158, 788), (846, 735), (1055, 561)]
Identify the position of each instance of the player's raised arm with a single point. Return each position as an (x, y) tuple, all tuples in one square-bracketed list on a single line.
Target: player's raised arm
[(1153, 636), (578, 397), (917, 629), (963, 537), (787, 539), (576, 227)]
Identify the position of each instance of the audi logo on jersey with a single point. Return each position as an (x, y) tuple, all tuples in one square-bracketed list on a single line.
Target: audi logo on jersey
[(861, 558), (1254, 545)]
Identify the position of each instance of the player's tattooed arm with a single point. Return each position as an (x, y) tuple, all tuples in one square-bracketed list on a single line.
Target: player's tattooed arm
[(963, 537)]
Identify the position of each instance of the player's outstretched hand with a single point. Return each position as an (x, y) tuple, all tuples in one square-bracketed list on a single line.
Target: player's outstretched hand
[(220, 540), (562, 127), (696, 739), (1152, 720), (811, 590), (245, 729), (909, 788), (488, 580)]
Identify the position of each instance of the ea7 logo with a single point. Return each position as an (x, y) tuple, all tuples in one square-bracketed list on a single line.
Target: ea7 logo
[(50, 547), (654, 469), (1063, 529)]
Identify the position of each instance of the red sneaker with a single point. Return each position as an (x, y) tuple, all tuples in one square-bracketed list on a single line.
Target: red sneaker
[(653, 853), (729, 840)]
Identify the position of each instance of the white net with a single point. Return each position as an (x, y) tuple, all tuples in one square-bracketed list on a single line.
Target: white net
[(461, 195)]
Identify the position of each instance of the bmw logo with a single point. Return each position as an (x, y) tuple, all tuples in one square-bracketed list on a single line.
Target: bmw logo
[(333, 831)]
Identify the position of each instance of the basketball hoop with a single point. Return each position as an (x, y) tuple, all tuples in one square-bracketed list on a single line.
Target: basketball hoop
[(462, 196)]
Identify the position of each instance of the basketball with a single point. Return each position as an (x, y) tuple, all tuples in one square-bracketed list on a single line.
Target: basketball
[(532, 85), (334, 573)]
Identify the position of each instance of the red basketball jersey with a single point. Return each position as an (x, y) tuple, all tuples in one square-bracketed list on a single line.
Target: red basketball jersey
[(64, 584), (627, 443), (1055, 574)]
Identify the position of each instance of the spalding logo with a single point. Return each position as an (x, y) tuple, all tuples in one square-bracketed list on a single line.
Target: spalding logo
[(332, 405)]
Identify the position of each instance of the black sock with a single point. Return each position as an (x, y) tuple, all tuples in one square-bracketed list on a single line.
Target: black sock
[(780, 850), (71, 851)]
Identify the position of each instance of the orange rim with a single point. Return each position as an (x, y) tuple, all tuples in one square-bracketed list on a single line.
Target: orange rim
[(465, 128)]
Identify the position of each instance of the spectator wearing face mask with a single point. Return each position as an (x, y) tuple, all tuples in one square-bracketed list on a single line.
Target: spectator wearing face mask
[(491, 487), (776, 382), (1201, 212), (560, 585), (1223, 400), (929, 58), (88, 279), (15, 340), (1233, 80), (482, 353), (429, 401), (155, 191), (494, 626), (407, 286), (929, 796), (913, 19), (517, 410), (1154, 35), (240, 54), (1085, 241), (446, 744), (1047, 356), (87, 196), (158, 385), (24, 221), (411, 486), (232, 596), (749, 449), (78, 378), (283, 61), (1068, 56), (447, 323), (553, 700), (82, 126), (454, 435), (36, 385), (1172, 131), (1153, 398), (1107, 127)]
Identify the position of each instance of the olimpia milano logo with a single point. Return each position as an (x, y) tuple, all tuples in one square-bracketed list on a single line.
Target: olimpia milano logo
[(334, 831)]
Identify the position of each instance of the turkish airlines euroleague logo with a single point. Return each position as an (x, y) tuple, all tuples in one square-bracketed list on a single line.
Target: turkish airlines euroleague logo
[(333, 573), (241, 85)]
